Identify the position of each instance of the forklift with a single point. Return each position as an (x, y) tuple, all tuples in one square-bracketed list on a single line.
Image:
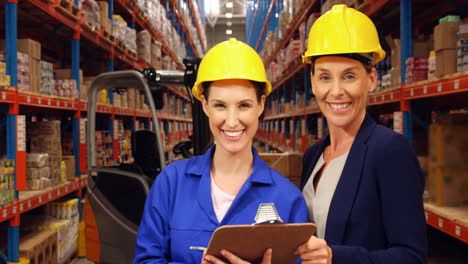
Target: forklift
[(116, 195)]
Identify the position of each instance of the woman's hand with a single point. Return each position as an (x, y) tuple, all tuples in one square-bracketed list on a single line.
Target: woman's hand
[(315, 251), (233, 259)]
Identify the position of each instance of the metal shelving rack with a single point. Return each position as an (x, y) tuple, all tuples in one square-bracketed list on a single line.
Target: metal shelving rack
[(455, 223), (14, 99)]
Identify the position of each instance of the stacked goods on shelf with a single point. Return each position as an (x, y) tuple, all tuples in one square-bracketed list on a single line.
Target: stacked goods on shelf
[(65, 86), (24, 83), (199, 22), (156, 14), (462, 48), (29, 55), (7, 184), (104, 20), (91, 11), (37, 171), (143, 45), (4, 79), (124, 33), (69, 161), (47, 85), (416, 69), (395, 55), (288, 164), (84, 86), (62, 217), (447, 167), (104, 150), (187, 18), (385, 83), (156, 55), (46, 138), (174, 105), (39, 247), (431, 66), (125, 146), (445, 45)]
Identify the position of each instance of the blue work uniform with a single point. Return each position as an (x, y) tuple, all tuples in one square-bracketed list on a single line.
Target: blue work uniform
[(179, 210)]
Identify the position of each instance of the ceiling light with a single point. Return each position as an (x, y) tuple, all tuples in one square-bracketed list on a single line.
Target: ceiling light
[(229, 23), (228, 32), (228, 15), (229, 4)]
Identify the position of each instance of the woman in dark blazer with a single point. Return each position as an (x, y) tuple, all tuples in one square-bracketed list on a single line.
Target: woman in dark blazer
[(362, 183)]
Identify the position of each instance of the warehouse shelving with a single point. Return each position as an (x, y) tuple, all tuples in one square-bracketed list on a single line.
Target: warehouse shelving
[(29, 200), (61, 19), (400, 98)]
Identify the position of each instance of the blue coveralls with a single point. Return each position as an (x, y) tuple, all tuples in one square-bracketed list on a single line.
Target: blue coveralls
[(179, 210)]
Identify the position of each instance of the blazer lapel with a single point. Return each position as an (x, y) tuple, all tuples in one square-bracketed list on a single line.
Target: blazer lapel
[(313, 161), (348, 185)]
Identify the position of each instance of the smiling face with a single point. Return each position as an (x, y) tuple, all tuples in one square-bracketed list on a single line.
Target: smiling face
[(233, 110), (340, 86)]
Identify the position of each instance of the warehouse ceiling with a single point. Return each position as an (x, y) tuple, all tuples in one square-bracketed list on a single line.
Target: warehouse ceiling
[(224, 19)]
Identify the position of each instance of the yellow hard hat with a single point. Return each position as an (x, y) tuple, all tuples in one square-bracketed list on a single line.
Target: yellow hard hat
[(343, 30), (231, 59)]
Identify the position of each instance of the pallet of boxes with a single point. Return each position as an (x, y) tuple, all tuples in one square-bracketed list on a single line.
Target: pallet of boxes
[(45, 138), (451, 45), (53, 236), (288, 164), (447, 182)]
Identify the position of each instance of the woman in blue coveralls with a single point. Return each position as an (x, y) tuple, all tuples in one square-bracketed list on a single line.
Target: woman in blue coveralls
[(191, 198), (362, 183)]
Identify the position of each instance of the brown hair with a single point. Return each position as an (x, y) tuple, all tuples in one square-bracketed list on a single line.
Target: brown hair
[(259, 89)]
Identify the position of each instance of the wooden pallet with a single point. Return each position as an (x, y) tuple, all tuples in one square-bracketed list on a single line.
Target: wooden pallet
[(132, 54), (107, 36), (87, 27), (359, 4), (40, 247), (69, 9)]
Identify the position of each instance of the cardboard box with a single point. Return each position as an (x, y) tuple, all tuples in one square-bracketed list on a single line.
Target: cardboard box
[(288, 164), (448, 145), (445, 36), (106, 24), (70, 164), (421, 48), (446, 62), (395, 76), (66, 74), (103, 9), (27, 46), (447, 186)]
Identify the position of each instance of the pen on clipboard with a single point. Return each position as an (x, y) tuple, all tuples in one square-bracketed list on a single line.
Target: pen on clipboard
[(198, 248)]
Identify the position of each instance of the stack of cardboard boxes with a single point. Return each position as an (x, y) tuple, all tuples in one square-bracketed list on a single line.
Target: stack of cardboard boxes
[(105, 22), (445, 46), (395, 60), (447, 181), (37, 171), (45, 138), (288, 164), (143, 45)]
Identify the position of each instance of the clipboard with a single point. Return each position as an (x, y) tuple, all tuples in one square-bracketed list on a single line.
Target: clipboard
[(249, 242)]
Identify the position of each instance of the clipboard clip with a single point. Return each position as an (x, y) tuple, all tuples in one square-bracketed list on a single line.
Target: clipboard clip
[(267, 214)]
